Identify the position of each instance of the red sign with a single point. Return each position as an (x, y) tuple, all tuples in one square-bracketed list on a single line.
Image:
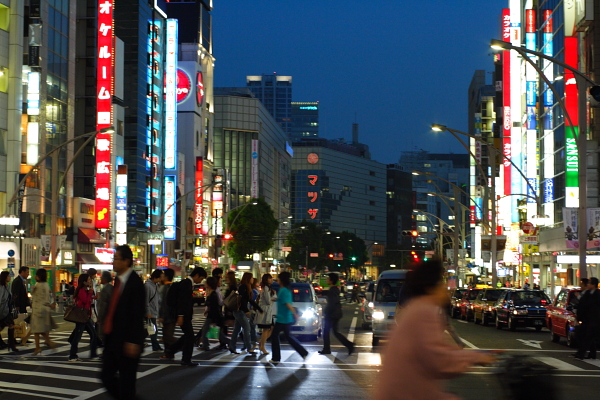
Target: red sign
[(571, 94), (530, 21), (198, 206), (104, 94), (528, 227), (507, 123), (199, 88), (312, 158), (184, 85), (162, 261)]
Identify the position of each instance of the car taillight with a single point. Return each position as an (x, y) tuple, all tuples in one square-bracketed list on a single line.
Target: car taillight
[(544, 302)]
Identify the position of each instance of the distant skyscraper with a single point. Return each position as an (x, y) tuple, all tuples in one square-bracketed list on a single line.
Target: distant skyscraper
[(275, 92), (305, 120)]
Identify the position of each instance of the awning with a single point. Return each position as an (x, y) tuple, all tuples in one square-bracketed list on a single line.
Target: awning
[(87, 235), (5, 247), (83, 258)]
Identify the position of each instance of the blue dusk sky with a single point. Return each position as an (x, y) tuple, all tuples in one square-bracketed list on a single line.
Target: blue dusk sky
[(392, 66)]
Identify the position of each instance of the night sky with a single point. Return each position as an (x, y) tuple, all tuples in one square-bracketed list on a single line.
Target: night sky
[(393, 66)]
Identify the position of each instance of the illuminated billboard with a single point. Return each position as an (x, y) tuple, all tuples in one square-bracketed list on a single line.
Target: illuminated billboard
[(507, 117), (121, 206), (169, 219), (198, 212), (571, 126), (171, 96)]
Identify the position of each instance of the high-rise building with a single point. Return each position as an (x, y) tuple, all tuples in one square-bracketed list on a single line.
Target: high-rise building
[(305, 120), (275, 92)]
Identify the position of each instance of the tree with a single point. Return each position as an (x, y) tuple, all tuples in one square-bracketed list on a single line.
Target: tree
[(253, 228)]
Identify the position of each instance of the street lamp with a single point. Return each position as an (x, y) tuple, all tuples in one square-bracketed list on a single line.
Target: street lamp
[(583, 83)]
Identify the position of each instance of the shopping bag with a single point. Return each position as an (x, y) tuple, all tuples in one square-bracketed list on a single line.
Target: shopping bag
[(150, 328), (213, 332)]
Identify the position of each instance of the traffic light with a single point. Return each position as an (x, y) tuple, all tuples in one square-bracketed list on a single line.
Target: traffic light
[(330, 255), (353, 258), (414, 233), (227, 236), (415, 256)]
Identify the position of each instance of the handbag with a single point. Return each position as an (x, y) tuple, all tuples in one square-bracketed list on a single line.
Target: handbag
[(76, 314), (233, 301), (150, 328), (213, 332)]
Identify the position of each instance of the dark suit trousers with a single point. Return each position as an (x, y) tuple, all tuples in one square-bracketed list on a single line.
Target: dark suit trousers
[(589, 335), (168, 334), (118, 371), (185, 343), (332, 324)]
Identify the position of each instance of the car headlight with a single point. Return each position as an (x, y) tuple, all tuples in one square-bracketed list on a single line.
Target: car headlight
[(371, 305), (308, 314), (378, 314), (520, 312), (490, 308)]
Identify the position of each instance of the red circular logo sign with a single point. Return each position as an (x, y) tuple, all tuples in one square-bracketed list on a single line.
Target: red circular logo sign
[(528, 227), (199, 88), (184, 85), (312, 158)]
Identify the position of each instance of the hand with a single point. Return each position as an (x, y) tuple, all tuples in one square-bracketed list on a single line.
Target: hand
[(179, 321), (132, 350), (148, 316)]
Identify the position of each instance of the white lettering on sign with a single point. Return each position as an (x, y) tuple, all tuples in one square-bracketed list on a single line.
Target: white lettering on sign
[(103, 144)]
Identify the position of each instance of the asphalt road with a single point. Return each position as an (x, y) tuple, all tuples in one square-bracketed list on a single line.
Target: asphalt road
[(336, 376)]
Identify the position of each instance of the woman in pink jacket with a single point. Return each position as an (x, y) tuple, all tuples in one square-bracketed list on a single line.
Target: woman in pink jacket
[(419, 355)]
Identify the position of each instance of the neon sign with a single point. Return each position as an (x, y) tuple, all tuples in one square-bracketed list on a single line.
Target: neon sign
[(184, 85), (171, 96)]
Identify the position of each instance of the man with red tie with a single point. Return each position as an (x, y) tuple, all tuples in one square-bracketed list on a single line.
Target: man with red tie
[(123, 328)]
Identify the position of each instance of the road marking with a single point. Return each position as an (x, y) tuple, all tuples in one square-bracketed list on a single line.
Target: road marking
[(316, 358), (355, 312), (593, 362), (39, 388), (368, 359), (352, 329), (469, 344), (558, 364), (27, 393), (531, 343), (462, 322)]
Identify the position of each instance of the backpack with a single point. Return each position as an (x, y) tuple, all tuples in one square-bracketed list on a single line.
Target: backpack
[(173, 294)]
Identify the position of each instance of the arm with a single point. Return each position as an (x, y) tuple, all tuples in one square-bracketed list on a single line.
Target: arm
[(252, 302), (185, 296), (147, 291)]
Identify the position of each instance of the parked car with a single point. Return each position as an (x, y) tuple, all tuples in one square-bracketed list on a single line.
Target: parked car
[(466, 304), (318, 288), (455, 299), (199, 294), (306, 303), (561, 319), (387, 292), (483, 305), (521, 307)]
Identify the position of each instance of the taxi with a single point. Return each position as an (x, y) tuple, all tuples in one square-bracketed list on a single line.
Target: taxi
[(521, 307), (483, 306), (560, 315), (466, 304), (455, 299)]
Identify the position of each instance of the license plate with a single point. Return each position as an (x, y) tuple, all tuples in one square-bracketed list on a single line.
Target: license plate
[(538, 322)]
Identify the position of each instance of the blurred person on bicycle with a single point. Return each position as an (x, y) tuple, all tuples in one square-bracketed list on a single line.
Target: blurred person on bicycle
[(419, 355)]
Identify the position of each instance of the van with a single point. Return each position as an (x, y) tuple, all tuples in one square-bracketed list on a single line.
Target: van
[(385, 298)]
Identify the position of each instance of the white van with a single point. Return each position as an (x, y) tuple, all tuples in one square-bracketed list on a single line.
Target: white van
[(385, 299)]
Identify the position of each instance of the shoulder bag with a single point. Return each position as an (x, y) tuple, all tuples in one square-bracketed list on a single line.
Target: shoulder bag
[(76, 314), (233, 301)]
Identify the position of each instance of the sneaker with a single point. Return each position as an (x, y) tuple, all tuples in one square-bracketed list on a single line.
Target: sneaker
[(75, 360), (274, 361), (95, 359)]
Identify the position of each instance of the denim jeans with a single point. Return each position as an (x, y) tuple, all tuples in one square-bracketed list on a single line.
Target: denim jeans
[(241, 323), (76, 337), (276, 345), (154, 338)]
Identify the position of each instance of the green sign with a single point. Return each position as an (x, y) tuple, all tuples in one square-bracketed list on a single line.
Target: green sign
[(572, 158)]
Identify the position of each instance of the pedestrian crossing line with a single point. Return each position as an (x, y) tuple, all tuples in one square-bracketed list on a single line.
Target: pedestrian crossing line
[(558, 364), (89, 395), (59, 365), (593, 362), (48, 375), (42, 395), (368, 359), (39, 388), (316, 358), (352, 329)]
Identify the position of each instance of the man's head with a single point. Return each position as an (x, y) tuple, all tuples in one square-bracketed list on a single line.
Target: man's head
[(332, 279), (123, 259), (24, 272), (92, 272), (156, 275), (168, 275), (198, 275), (386, 289), (106, 277), (217, 272), (583, 283), (593, 283)]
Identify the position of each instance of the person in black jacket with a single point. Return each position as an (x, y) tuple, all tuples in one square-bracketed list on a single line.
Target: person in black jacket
[(241, 315), (123, 328), (332, 315), (19, 296), (214, 315), (185, 310), (588, 314)]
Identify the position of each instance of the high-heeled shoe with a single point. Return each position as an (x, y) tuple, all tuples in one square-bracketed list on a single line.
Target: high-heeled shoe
[(264, 351), (36, 352)]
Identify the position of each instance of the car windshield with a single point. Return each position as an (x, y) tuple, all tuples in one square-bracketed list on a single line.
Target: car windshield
[(387, 290), (458, 294), (529, 297), (493, 295), (472, 295), (301, 295), (574, 298)]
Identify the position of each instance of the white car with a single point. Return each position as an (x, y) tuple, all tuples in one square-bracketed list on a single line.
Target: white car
[(386, 297), (305, 301)]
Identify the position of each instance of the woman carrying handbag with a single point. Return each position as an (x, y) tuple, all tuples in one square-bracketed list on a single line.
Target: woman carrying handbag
[(41, 318), (6, 310), (83, 299), (265, 320)]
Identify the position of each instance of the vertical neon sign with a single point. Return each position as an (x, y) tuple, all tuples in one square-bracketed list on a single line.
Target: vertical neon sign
[(507, 121), (121, 213), (170, 185), (531, 100), (198, 214), (571, 126), (171, 96), (104, 93)]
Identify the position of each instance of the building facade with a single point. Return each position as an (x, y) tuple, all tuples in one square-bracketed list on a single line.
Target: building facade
[(305, 120), (275, 93)]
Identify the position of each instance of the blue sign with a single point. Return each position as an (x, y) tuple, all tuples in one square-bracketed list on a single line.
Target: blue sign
[(11, 253), (548, 190), (532, 193), (254, 154)]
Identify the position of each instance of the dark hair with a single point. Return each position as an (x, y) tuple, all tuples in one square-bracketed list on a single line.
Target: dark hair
[(156, 274), (42, 275), (125, 252), (3, 276), (594, 282), (247, 281), (424, 277), (80, 281), (284, 278), (217, 272), (22, 269), (169, 273), (199, 271), (584, 281), (333, 277), (230, 279), (264, 282), (211, 282), (92, 272)]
